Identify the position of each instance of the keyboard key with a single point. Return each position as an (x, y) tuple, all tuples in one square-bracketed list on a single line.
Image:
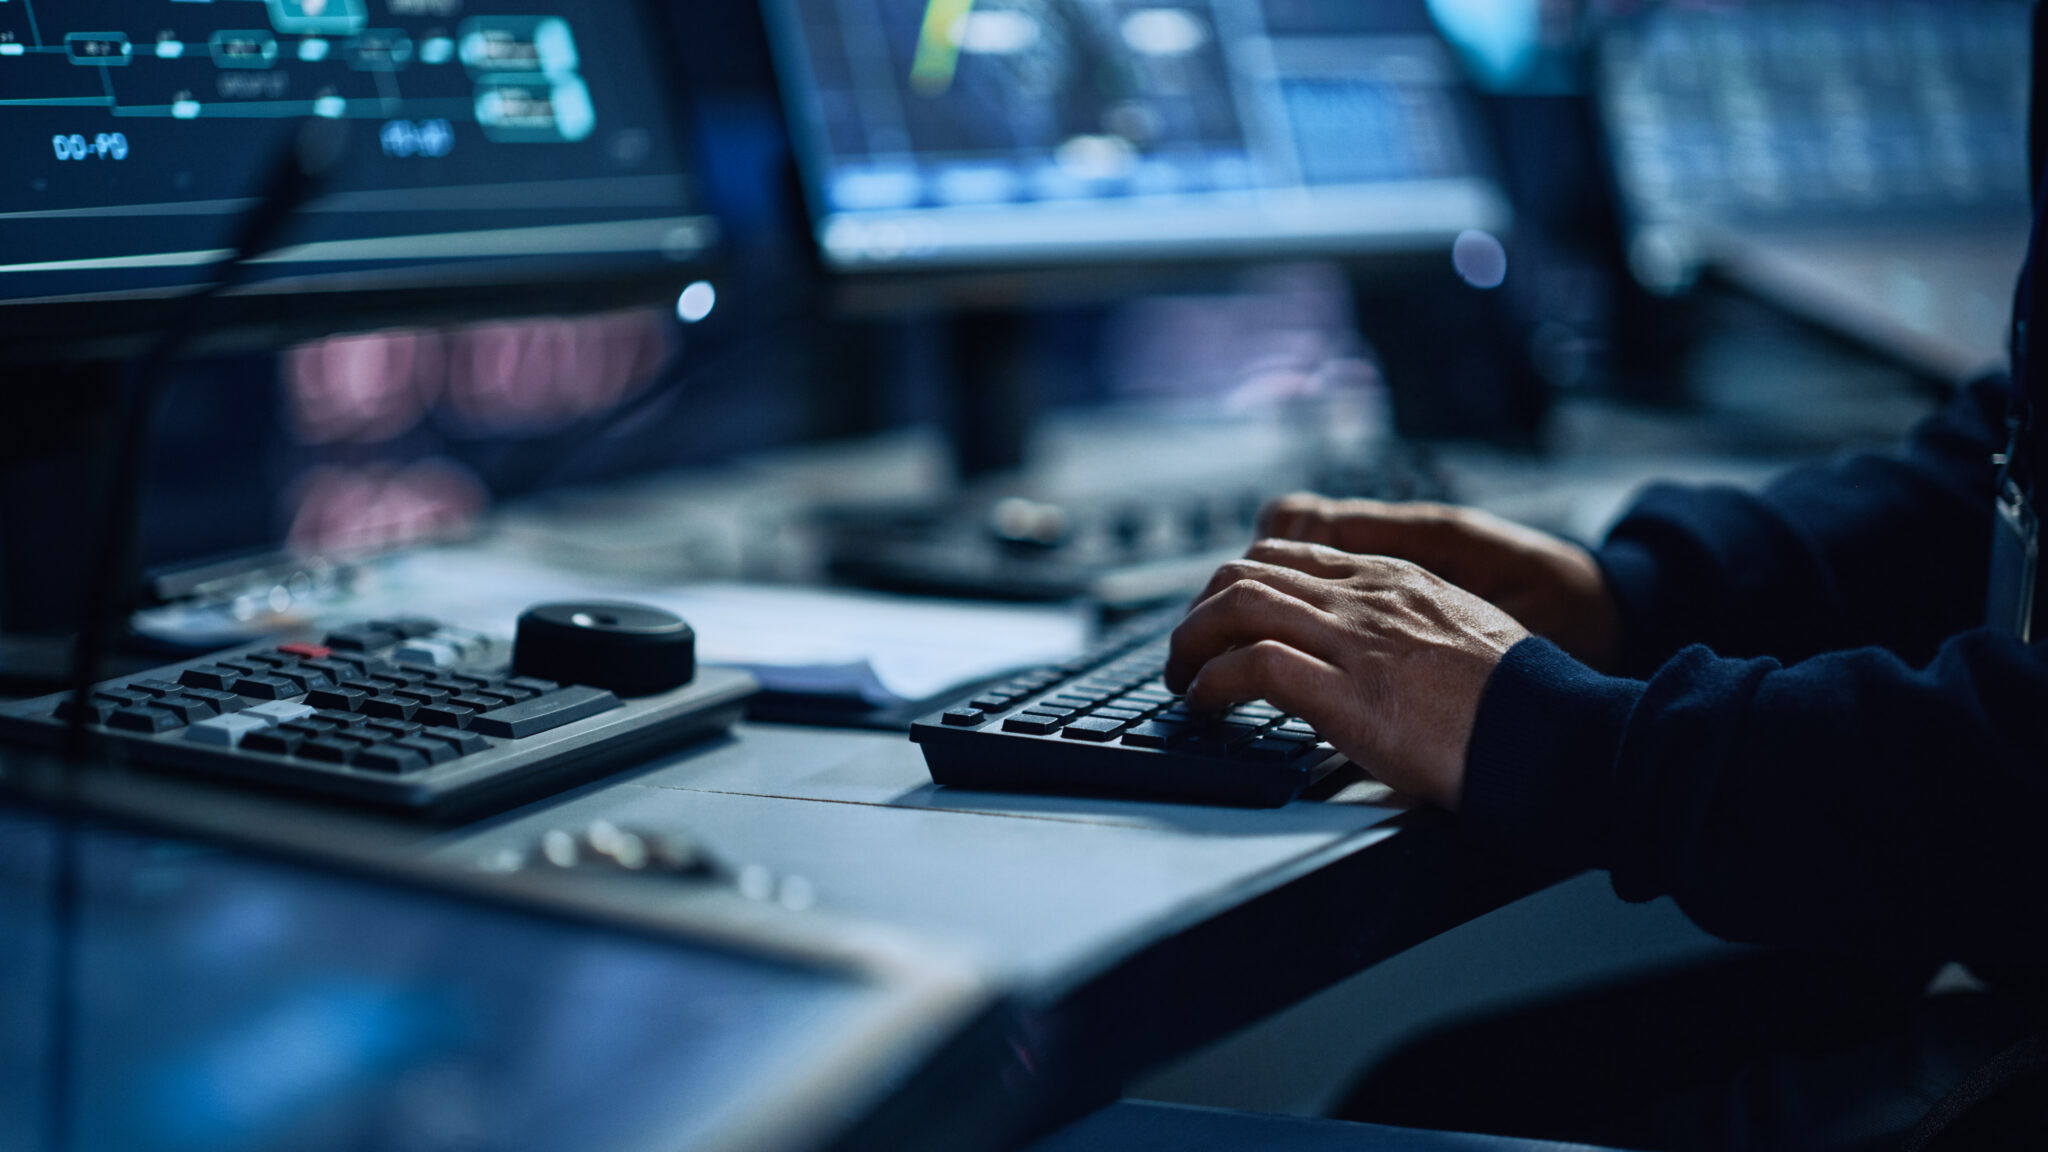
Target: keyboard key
[(427, 653), (1124, 714), (544, 712), (1265, 749), (391, 729), (508, 690), (215, 676), (1294, 728), (389, 707), (328, 751), (1297, 735), (221, 701), (337, 699), (1154, 734), (144, 720), (273, 741), (990, 702), (477, 703), (226, 731), (464, 743), (1204, 746), (121, 698), (1092, 728), (155, 687), (279, 711), (334, 670), (436, 751), (266, 660), (188, 709), (1031, 725), (310, 726), (448, 715), (1049, 712), (306, 651), (361, 639), (407, 627), (964, 717), (266, 687), (533, 684), (424, 693), (388, 758)]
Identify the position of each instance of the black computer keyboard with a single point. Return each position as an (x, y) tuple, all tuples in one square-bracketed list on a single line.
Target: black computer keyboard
[(1105, 723), (401, 714)]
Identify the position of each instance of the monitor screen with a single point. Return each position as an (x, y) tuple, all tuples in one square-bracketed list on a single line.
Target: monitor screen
[(518, 147), (961, 133), (162, 995)]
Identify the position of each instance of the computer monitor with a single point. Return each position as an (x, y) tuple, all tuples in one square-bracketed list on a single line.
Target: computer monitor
[(517, 158), (166, 991), (951, 134)]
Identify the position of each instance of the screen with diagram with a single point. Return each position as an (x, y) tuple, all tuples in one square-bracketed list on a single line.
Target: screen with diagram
[(986, 131), (137, 133)]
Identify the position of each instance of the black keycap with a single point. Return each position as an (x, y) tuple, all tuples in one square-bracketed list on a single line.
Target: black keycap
[(361, 639), (391, 729), (425, 693), (145, 720), (533, 684), (337, 699), (469, 678), (476, 703), (266, 687), (544, 712), (1260, 711), (1153, 734), (389, 707), (1267, 749), (268, 659), (1203, 746), (990, 702), (964, 717), (122, 698), (1068, 700), (396, 678), (408, 627), (1030, 725), (1294, 728), (389, 758), (273, 740), (492, 697), (211, 676), (1092, 728), (239, 667), (337, 717), (299, 681), (1297, 735), (221, 701), (155, 687), (464, 743), (1150, 695), (330, 750), (510, 691), (361, 737), (449, 715), (310, 726), (188, 709), (334, 670), (96, 711), (435, 751), (366, 686), (1048, 712), (1124, 714)]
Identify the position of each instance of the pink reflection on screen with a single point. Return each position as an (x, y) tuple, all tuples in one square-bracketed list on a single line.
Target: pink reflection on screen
[(352, 510), (527, 377)]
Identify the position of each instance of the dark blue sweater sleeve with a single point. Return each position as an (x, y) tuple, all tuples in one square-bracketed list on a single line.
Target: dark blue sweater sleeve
[(1848, 801), (1816, 745), (1882, 550)]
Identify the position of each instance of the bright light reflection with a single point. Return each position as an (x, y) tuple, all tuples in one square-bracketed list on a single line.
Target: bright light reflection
[(696, 302)]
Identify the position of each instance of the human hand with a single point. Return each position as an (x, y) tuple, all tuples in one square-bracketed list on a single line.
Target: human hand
[(1385, 659), (1551, 585)]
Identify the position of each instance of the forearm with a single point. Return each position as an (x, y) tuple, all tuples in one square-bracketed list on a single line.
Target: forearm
[(1850, 801), (1884, 550)]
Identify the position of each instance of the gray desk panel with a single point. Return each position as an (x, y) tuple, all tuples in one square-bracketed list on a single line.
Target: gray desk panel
[(1040, 886)]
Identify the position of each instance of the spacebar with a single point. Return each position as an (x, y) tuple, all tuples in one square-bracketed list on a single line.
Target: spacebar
[(545, 711)]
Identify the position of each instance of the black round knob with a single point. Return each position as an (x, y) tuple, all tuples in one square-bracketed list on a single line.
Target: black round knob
[(632, 649)]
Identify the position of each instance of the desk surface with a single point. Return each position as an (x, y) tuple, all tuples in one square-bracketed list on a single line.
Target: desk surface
[(1132, 931)]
